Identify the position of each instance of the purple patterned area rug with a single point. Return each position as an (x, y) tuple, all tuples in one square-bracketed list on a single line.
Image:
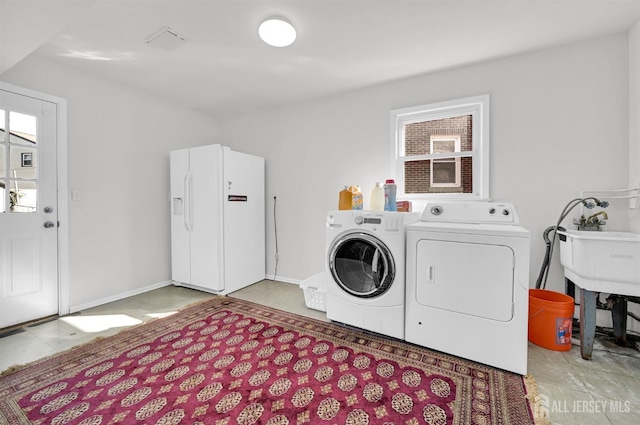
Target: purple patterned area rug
[(227, 361)]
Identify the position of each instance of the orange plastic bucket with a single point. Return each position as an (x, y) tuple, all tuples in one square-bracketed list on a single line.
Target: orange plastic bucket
[(550, 319)]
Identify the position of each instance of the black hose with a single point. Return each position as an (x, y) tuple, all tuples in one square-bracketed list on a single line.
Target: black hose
[(547, 254), (545, 262)]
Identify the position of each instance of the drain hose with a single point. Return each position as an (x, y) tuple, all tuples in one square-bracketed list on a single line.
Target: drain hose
[(547, 254)]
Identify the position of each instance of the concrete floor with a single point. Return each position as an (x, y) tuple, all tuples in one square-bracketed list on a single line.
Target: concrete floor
[(603, 391)]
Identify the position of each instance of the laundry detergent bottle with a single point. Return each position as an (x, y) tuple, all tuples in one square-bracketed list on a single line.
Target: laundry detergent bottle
[(377, 198), (345, 201), (357, 200), (390, 195)]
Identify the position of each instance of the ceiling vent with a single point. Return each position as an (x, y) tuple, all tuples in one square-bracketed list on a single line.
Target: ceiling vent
[(166, 39)]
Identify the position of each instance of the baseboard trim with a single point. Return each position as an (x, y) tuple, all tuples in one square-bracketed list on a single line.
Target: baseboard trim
[(117, 297), (283, 279)]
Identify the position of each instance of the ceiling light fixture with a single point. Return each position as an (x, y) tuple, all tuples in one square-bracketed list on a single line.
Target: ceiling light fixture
[(277, 32)]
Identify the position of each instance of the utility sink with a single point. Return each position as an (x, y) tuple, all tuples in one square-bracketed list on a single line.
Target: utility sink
[(602, 261)]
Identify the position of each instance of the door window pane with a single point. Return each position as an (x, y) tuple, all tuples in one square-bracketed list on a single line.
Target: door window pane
[(2, 196), (2, 170), (22, 196), (22, 128), (20, 153), (23, 162), (2, 129)]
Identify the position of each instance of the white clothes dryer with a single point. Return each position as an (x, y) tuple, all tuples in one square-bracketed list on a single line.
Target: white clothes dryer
[(366, 261), (468, 283)]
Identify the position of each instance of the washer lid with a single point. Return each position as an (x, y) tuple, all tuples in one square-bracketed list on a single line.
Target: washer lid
[(470, 229)]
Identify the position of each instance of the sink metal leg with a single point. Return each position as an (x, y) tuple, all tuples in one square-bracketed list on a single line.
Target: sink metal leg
[(569, 288), (619, 317), (587, 322)]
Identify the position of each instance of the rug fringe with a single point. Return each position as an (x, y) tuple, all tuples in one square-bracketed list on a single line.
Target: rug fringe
[(13, 369), (539, 412), (18, 367)]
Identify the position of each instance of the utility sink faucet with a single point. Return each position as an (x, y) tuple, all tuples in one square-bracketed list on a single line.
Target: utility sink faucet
[(593, 222), (593, 218)]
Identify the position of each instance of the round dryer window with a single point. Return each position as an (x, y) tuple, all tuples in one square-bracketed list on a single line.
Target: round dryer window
[(361, 264)]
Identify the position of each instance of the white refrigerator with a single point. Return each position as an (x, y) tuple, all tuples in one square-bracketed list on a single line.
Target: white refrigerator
[(217, 218)]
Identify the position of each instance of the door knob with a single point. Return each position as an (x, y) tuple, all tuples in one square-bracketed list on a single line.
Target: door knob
[(48, 210), (49, 224)]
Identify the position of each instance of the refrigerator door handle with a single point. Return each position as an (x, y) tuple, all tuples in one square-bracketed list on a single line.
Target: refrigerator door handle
[(187, 202)]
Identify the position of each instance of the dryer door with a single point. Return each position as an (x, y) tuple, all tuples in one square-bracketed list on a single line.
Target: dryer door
[(466, 278), (361, 264)]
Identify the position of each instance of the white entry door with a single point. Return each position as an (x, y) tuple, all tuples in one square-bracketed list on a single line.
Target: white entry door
[(28, 209)]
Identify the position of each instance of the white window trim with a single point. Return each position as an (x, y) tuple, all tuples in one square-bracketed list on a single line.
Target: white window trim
[(441, 138), (478, 108)]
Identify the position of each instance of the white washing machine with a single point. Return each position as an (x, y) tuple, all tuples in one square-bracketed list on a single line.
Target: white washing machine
[(366, 261), (468, 283)]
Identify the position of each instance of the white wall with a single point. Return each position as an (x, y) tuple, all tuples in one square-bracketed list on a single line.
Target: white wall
[(559, 124), (118, 156)]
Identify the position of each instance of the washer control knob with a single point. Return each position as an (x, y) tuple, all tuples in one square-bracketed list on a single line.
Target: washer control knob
[(492, 211), (359, 219), (437, 210), (505, 212)]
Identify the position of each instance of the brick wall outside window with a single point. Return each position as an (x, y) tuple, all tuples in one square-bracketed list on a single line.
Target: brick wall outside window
[(417, 176)]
